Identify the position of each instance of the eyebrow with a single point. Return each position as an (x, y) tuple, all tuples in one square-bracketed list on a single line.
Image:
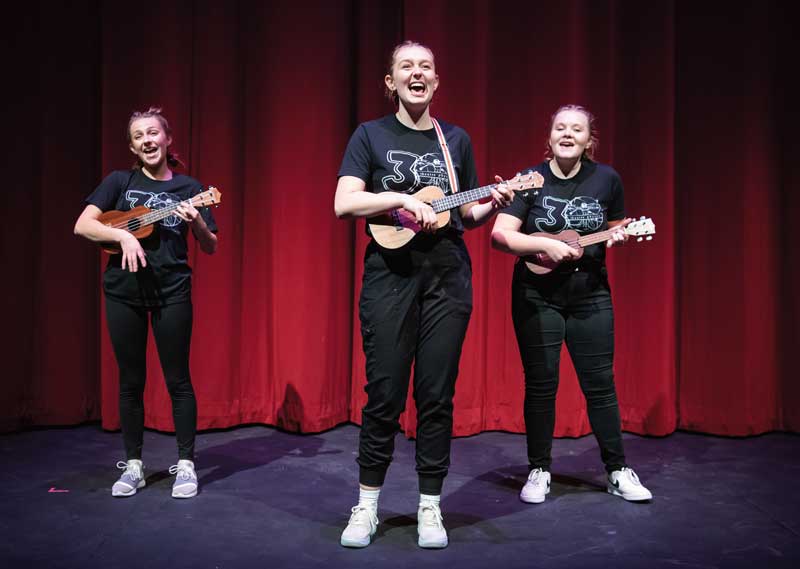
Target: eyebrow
[(408, 60)]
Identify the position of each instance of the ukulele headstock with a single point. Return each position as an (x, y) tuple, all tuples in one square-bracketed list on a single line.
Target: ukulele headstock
[(643, 228), (522, 182), (211, 196)]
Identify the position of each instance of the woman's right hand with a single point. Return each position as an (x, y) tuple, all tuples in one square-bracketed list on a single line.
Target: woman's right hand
[(132, 253), (423, 213), (559, 251)]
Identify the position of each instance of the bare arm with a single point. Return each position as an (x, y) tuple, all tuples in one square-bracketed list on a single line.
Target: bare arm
[(352, 200), (475, 214), (87, 226), (507, 237), (205, 237)]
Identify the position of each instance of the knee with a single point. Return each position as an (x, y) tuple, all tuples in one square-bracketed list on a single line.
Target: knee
[(180, 387)]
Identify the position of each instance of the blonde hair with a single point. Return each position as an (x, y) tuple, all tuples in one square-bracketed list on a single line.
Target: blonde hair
[(154, 112), (594, 140)]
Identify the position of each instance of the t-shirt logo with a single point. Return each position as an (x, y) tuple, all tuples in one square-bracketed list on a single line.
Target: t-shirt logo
[(155, 201), (583, 214), (413, 172)]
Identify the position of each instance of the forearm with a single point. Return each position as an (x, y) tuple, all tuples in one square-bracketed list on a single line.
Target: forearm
[(205, 237), (476, 214), (517, 243), (366, 204), (95, 231)]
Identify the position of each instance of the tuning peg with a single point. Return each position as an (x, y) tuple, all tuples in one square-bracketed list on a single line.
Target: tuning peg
[(642, 218), (649, 238), (639, 240)]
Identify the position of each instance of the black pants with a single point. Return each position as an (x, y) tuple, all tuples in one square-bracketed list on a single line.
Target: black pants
[(576, 308), (172, 330), (414, 307)]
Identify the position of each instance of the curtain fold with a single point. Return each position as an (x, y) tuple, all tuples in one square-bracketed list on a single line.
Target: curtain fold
[(698, 117)]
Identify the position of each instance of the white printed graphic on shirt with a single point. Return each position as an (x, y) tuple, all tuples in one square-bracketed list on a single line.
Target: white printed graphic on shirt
[(413, 172), (155, 201), (583, 214)]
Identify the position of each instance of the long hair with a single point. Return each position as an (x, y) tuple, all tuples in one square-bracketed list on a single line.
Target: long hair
[(594, 134), (173, 161)]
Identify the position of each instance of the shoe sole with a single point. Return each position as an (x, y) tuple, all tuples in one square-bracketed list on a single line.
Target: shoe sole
[(640, 498), (546, 492), (118, 494), (432, 544), (355, 544), (182, 495)]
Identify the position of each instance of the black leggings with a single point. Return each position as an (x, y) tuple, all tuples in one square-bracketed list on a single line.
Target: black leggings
[(415, 307), (575, 308), (172, 330)]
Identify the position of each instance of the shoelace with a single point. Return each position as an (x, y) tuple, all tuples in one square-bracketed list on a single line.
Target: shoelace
[(535, 475), (431, 516), (134, 471), (356, 517), (183, 472), (632, 475)]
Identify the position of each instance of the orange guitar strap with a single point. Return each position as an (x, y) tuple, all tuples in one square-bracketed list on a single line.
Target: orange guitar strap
[(451, 172)]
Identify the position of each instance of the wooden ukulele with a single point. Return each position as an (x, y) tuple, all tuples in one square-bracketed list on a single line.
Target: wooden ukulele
[(541, 264), (139, 220), (398, 227)]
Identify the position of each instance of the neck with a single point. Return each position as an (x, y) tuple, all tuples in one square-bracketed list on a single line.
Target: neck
[(415, 119), (162, 172), (565, 169)]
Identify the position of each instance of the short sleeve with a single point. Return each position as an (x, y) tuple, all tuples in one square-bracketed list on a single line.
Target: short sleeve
[(522, 202), (468, 176), (357, 156), (106, 195), (616, 205), (206, 212)]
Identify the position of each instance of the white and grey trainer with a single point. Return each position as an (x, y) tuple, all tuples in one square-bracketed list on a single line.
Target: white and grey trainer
[(625, 484), (185, 485), (131, 480)]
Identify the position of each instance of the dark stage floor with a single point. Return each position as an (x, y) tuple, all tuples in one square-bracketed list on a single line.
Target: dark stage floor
[(272, 499)]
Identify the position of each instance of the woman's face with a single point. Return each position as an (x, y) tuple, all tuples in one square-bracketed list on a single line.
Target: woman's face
[(569, 135), (413, 76), (149, 142)]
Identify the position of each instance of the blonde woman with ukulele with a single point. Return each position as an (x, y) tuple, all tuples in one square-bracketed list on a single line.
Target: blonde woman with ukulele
[(416, 296), (560, 293), (150, 280)]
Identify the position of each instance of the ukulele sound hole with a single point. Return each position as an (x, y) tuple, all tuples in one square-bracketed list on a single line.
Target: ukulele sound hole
[(134, 225)]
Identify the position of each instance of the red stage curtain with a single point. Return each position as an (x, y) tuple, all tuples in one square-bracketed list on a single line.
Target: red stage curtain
[(697, 111)]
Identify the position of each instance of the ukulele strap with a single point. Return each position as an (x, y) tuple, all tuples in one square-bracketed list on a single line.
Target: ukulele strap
[(451, 172)]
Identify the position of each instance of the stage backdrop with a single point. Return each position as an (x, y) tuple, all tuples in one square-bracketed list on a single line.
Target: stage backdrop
[(697, 108)]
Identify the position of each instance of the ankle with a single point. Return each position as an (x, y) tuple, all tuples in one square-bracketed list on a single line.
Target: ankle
[(429, 500), (368, 498)]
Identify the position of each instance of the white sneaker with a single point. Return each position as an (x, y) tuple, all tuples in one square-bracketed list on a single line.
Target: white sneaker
[(536, 488), (131, 480), (185, 485), (625, 484), (362, 526), (430, 527)]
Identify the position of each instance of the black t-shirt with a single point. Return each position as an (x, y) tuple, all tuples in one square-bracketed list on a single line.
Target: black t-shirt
[(584, 203), (389, 156), (167, 277)]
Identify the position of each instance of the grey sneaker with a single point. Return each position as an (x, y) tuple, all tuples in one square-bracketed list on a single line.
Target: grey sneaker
[(362, 526), (430, 527), (185, 485), (625, 484), (536, 487), (131, 480)]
